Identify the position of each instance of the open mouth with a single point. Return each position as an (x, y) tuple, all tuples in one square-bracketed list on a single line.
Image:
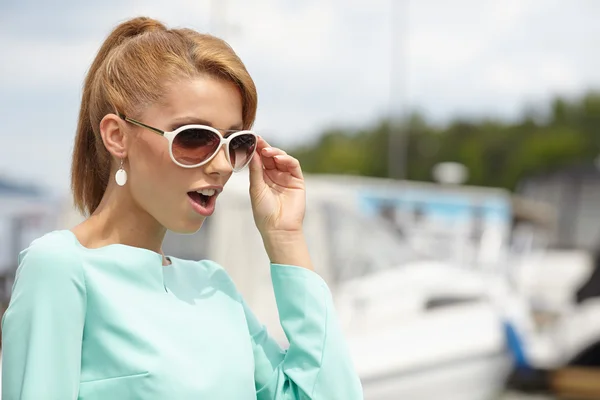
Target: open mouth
[(204, 200), (199, 198)]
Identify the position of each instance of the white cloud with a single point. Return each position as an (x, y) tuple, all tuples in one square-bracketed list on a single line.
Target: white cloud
[(561, 75), (35, 64)]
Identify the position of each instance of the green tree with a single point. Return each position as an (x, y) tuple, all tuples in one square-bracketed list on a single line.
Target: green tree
[(497, 153)]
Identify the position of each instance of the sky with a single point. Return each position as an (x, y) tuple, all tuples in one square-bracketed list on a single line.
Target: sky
[(317, 63)]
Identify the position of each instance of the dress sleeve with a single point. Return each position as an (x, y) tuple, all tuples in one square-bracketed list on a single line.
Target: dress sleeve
[(42, 328), (317, 364)]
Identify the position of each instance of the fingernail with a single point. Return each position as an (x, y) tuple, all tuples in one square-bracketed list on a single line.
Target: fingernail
[(267, 149)]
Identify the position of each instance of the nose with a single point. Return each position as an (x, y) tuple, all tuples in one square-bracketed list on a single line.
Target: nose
[(219, 165)]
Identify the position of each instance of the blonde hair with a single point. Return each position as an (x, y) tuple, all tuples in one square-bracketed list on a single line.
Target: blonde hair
[(129, 73)]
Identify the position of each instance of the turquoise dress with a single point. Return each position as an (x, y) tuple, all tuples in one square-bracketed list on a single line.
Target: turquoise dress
[(114, 323)]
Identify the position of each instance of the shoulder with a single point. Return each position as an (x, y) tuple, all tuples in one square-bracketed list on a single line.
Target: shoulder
[(50, 259)]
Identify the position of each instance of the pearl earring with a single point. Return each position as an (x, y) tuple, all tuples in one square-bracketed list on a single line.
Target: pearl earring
[(121, 175)]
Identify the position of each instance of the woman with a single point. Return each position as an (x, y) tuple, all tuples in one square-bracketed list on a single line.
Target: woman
[(99, 312)]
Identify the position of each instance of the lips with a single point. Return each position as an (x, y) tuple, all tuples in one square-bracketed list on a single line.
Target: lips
[(203, 201)]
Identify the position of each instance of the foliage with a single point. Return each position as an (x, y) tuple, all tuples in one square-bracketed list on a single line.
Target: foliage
[(497, 153)]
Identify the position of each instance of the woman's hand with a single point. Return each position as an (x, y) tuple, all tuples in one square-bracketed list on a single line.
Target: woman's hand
[(277, 192)]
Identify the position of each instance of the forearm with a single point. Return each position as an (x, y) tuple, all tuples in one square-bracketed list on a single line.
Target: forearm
[(288, 249), (317, 363)]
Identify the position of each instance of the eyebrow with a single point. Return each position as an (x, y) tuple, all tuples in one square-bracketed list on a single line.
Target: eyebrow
[(199, 121)]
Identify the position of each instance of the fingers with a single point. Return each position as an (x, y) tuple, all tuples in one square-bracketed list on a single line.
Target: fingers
[(289, 164), (267, 153), (261, 143), (273, 158), (256, 171)]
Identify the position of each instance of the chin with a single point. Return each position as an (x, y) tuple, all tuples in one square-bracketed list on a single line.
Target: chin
[(186, 227)]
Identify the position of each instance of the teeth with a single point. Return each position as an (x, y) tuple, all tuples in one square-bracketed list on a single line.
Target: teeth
[(206, 192)]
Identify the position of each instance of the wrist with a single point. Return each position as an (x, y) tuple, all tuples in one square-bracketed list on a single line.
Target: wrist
[(289, 248), (282, 237)]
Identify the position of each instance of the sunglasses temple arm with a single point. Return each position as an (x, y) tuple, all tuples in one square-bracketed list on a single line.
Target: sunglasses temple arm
[(138, 123)]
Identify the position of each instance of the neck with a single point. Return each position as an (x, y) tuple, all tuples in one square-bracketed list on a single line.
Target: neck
[(118, 219)]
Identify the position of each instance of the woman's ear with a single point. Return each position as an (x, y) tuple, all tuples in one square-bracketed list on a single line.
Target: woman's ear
[(113, 136)]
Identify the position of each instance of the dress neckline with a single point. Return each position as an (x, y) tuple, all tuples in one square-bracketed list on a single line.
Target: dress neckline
[(121, 247)]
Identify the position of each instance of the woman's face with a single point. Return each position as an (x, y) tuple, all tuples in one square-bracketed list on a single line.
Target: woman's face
[(163, 189)]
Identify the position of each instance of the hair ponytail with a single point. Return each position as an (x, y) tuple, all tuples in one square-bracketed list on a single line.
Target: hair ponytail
[(90, 168)]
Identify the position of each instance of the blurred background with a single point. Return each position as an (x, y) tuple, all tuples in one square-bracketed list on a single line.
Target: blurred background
[(452, 152)]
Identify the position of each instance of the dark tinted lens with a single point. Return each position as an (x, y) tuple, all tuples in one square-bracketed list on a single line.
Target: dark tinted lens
[(241, 149), (192, 146)]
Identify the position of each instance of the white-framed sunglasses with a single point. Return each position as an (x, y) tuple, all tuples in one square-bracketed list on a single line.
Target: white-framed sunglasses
[(192, 146)]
